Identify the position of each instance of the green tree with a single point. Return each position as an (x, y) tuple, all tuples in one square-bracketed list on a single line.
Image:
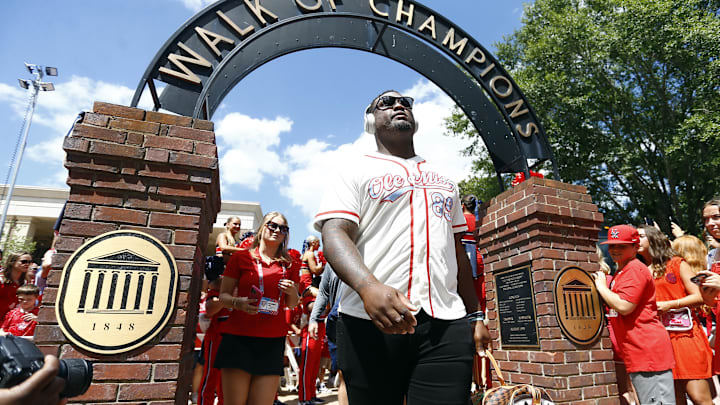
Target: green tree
[(628, 92)]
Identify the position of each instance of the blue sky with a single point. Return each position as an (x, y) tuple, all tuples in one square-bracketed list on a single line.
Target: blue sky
[(277, 131)]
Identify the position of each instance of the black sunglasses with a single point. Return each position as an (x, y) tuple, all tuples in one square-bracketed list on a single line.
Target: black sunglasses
[(277, 227), (25, 261), (386, 102)]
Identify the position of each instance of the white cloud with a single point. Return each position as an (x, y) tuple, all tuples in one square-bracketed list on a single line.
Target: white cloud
[(246, 146), (197, 5)]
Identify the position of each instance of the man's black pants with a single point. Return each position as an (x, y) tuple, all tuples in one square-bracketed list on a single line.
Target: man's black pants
[(432, 366)]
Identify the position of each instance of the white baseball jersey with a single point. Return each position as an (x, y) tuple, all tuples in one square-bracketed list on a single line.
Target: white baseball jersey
[(407, 215)]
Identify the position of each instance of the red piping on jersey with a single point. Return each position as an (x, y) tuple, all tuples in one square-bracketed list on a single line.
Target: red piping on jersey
[(427, 246), (458, 226), (338, 212), (412, 222)]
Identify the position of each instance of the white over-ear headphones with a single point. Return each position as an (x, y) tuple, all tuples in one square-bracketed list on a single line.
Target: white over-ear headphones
[(370, 121)]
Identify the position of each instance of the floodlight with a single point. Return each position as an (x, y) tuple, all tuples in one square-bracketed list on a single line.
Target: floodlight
[(24, 84), (30, 67), (47, 86), (51, 71)]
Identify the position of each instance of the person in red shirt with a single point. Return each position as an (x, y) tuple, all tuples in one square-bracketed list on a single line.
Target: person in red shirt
[(21, 320), (12, 277), (642, 340), (257, 285), (210, 384)]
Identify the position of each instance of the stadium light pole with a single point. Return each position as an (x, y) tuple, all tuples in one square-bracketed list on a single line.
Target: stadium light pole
[(37, 85)]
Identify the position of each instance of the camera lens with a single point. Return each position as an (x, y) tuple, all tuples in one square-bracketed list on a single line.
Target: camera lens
[(77, 374)]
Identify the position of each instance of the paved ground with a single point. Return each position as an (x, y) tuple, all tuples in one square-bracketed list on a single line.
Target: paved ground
[(291, 398)]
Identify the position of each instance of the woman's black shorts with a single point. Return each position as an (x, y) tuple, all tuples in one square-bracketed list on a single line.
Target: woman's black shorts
[(256, 355)]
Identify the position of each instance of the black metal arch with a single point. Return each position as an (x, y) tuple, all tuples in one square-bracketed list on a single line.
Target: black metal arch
[(484, 91)]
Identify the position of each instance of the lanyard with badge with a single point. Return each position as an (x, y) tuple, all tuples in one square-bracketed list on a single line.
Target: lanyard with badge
[(267, 305)]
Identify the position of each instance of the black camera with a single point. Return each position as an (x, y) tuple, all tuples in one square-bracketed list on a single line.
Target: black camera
[(20, 358)]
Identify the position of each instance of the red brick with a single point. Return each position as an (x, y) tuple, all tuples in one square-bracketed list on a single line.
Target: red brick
[(94, 197), (49, 296), (134, 138), (164, 390), (549, 382), (104, 148), (46, 315), (121, 215), (95, 119), (164, 172), (77, 211), (68, 244), (163, 235), (596, 367), (577, 357), (166, 142), (87, 163), (203, 124), (118, 110), (87, 131), (186, 237), (75, 144), (169, 119), (193, 160), (121, 371), (84, 228), (546, 357), (531, 368), (49, 333), (206, 149), (174, 335), (561, 369), (150, 203), (77, 178), (165, 372), (99, 392), (595, 392), (191, 133), (120, 183), (204, 177), (185, 268), (183, 252), (135, 125), (181, 190), (599, 355), (174, 220), (157, 155)]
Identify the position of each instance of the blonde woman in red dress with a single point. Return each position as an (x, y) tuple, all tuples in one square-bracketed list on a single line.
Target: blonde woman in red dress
[(674, 290), (257, 285)]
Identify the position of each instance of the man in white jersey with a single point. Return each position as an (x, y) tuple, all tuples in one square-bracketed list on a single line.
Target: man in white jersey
[(391, 224)]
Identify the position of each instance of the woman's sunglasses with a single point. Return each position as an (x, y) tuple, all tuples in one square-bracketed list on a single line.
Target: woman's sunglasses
[(25, 261), (277, 227)]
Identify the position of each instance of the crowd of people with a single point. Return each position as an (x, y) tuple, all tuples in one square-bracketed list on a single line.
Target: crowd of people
[(394, 308), (662, 307)]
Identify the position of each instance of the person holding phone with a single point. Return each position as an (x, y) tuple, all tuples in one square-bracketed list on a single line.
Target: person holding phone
[(676, 295), (257, 285)]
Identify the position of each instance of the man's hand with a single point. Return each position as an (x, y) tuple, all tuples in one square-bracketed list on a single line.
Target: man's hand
[(41, 388), (389, 310), (481, 336), (313, 330)]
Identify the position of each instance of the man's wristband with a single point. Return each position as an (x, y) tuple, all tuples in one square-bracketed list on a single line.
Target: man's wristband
[(475, 316)]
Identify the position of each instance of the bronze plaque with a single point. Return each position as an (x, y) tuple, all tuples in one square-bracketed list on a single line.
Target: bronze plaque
[(577, 305), (516, 308), (117, 292)]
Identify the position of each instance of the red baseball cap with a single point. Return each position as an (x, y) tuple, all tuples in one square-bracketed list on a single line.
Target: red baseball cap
[(625, 234)]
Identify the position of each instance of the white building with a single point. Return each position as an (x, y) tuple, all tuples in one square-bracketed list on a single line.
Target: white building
[(34, 210)]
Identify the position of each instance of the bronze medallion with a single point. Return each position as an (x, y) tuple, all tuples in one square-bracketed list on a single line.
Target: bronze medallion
[(117, 292), (578, 308)]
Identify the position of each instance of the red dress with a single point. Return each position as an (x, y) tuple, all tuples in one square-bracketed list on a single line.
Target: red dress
[(693, 358)]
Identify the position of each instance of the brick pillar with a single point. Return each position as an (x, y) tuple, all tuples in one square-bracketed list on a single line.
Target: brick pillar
[(156, 173), (548, 225)]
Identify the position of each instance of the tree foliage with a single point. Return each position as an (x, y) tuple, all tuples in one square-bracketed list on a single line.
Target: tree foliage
[(628, 92)]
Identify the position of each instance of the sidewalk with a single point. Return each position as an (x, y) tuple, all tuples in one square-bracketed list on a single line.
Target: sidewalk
[(291, 398)]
